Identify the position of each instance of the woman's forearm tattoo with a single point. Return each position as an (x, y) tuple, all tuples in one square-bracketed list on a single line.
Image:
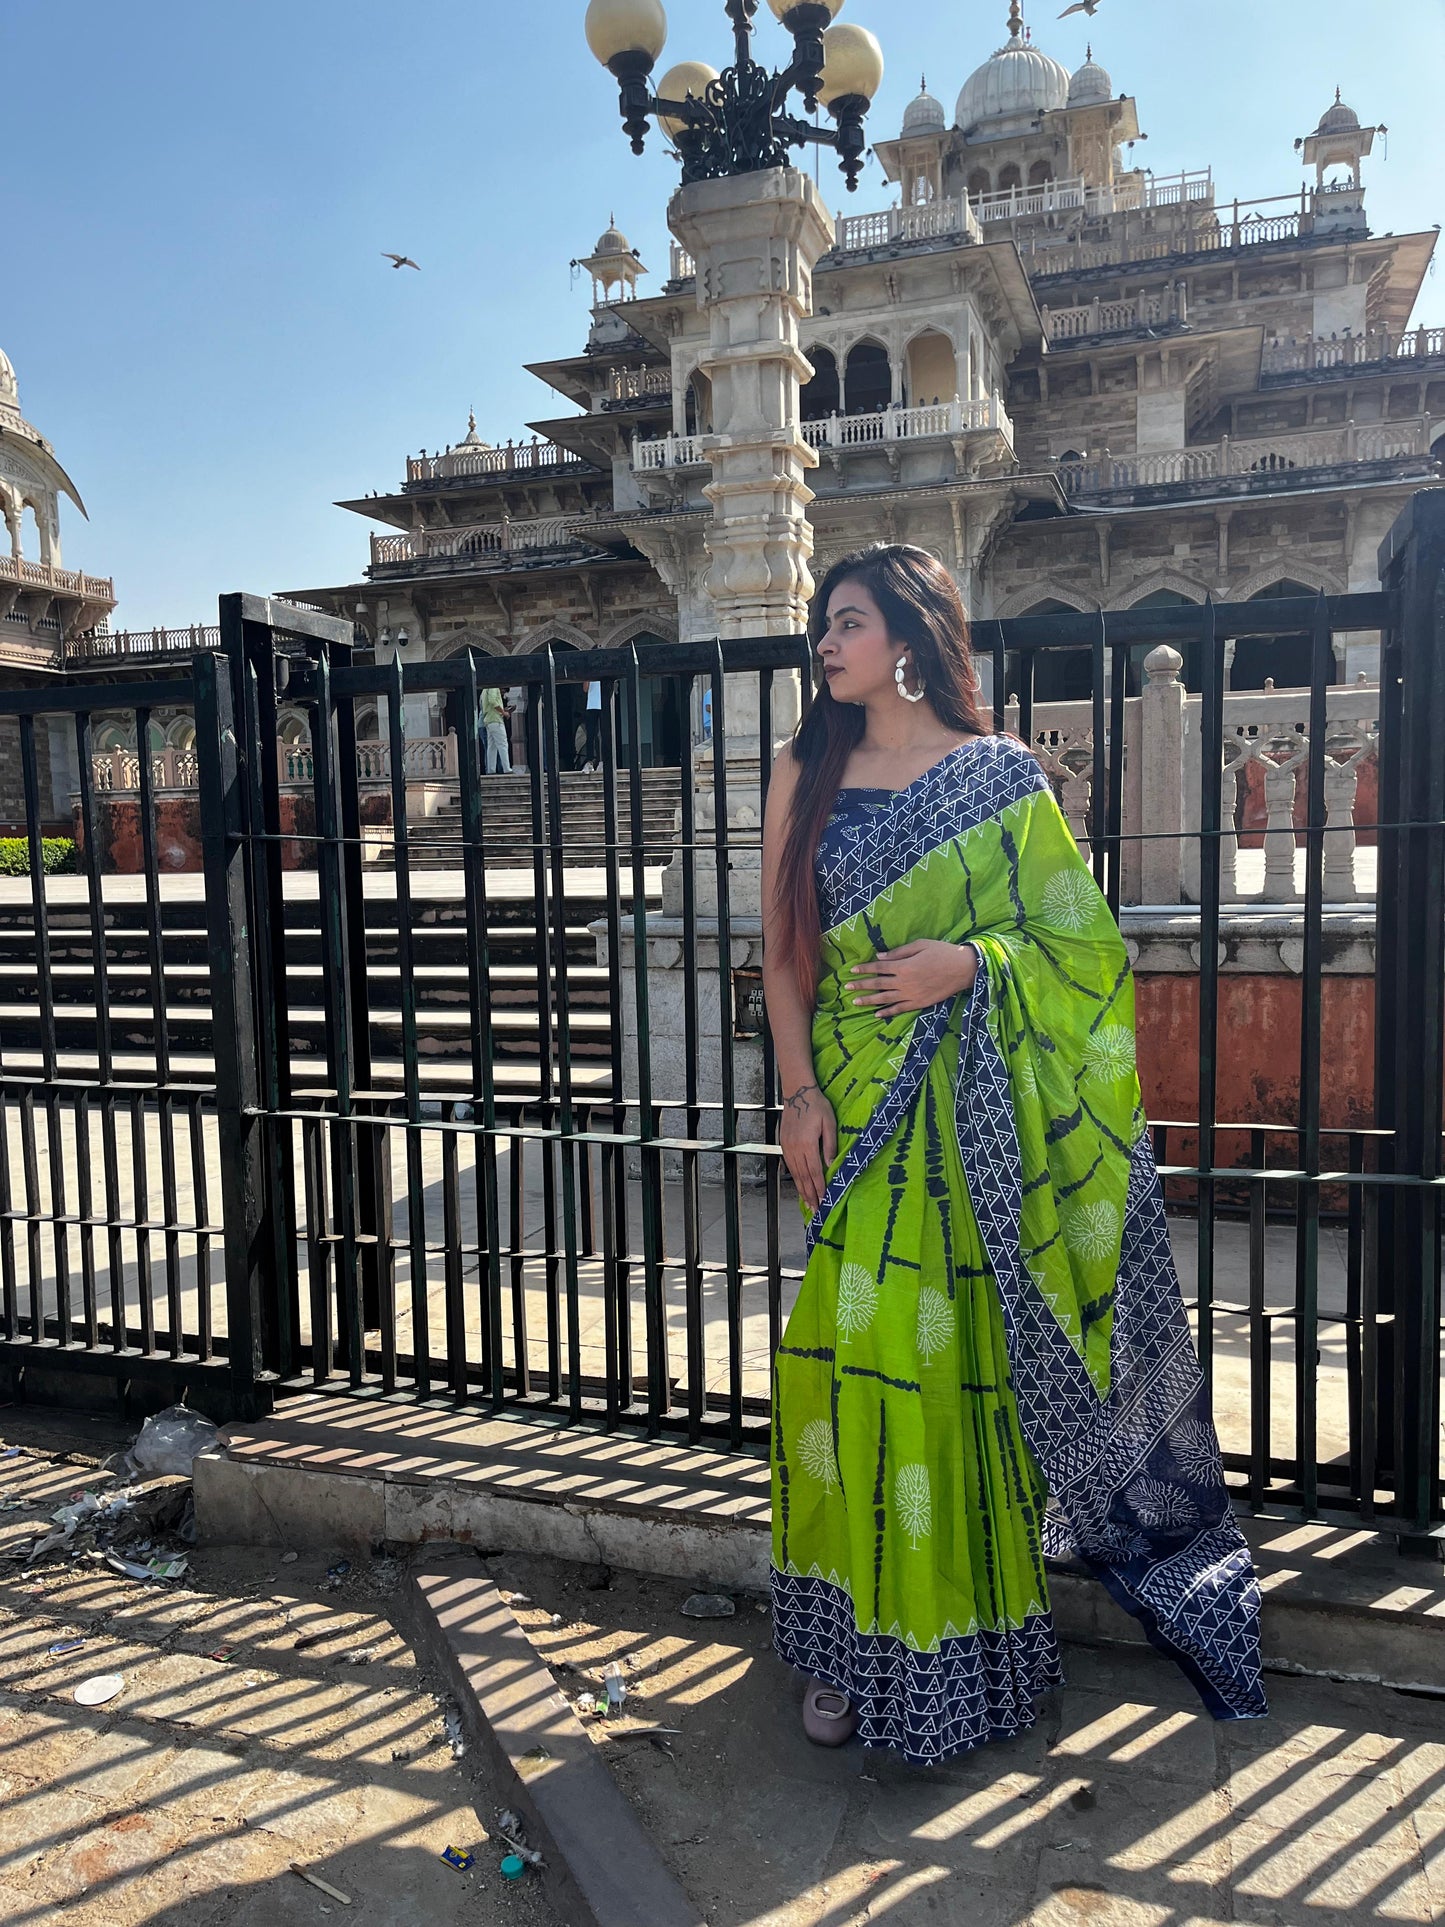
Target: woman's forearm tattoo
[(794, 1103)]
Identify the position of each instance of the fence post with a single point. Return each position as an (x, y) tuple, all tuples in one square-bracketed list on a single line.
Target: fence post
[(246, 1202), (1161, 778), (1410, 1005)]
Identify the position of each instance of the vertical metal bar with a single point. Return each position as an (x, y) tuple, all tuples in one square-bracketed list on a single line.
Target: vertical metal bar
[(336, 978), (410, 1057), (732, 1206), (104, 1058), (616, 1249), (547, 752), (650, 1158), (140, 1190), (156, 957), (319, 1247), (772, 1110), (238, 1085), (1260, 1327), (1211, 765), (200, 1191), (1354, 1263), (50, 1096), (1114, 815), (452, 1281), (1307, 1216), (1098, 787), (693, 1304), (479, 997), (568, 1145), (254, 664)]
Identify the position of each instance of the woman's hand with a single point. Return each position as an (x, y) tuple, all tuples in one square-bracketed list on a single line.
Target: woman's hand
[(914, 976), (809, 1137)]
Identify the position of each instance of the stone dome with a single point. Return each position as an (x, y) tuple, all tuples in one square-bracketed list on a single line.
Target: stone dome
[(1338, 119), (1091, 85), (924, 115), (1019, 82), (9, 387), (613, 241)]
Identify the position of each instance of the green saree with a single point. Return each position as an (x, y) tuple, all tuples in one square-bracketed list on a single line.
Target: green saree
[(988, 1363)]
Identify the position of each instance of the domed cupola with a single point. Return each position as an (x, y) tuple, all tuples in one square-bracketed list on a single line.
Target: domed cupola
[(1016, 84), (1091, 85), (9, 387), (924, 115), (1338, 119)]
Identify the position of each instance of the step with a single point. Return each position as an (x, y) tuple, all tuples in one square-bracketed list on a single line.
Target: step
[(321, 1469)]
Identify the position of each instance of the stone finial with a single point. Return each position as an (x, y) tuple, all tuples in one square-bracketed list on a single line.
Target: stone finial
[(1015, 20), (1162, 665)]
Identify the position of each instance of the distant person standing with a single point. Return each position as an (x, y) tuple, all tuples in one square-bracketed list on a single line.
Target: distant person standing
[(497, 758), (592, 747)]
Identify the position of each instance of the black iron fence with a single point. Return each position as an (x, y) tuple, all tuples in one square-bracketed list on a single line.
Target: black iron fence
[(507, 1135)]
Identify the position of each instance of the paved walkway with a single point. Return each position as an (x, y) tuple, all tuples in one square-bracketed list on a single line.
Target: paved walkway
[(230, 1753)]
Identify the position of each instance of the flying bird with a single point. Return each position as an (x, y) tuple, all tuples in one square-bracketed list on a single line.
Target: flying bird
[(1090, 7), (399, 260)]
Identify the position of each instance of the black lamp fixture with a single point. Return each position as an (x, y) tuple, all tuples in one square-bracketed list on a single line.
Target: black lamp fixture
[(735, 122)]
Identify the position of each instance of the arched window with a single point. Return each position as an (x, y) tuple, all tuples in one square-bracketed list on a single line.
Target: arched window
[(932, 371), (1010, 179), (1283, 659), (868, 383), (1060, 675), (182, 733), (30, 533), (1041, 173), (819, 397), (979, 183), (698, 404), (1188, 647)]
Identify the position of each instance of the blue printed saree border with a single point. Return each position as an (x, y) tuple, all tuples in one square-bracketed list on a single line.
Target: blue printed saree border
[(1137, 1487)]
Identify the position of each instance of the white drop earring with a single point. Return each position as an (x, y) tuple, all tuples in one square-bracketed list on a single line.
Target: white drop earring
[(904, 692)]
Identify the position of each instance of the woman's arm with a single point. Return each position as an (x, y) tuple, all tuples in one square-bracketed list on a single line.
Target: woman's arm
[(809, 1131)]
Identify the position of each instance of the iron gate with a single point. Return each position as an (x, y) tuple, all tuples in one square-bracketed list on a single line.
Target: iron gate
[(540, 1172)]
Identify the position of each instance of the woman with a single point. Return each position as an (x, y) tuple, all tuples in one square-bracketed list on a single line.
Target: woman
[(988, 1362)]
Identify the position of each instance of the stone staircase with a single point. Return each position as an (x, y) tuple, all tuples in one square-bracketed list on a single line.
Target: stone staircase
[(507, 831), (441, 948)]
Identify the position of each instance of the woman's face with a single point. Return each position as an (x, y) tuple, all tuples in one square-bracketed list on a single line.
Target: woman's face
[(858, 655)]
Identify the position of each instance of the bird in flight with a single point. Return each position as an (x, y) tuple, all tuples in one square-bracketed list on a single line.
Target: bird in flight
[(1090, 7), (399, 260)]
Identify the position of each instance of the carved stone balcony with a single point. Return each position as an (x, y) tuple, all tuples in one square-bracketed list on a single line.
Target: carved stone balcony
[(483, 545), (1165, 308), (1338, 354), (1266, 464), (482, 464), (41, 606), (875, 430)]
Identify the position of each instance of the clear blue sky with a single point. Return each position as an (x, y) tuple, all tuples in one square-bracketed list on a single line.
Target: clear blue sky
[(197, 195)]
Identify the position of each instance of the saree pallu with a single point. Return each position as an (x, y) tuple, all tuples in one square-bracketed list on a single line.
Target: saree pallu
[(989, 1362)]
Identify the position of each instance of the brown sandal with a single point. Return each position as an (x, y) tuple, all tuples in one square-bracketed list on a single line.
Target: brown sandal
[(829, 1717)]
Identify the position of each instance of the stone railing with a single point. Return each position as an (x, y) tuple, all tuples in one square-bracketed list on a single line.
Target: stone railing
[(956, 417), (131, 645), (634, 384), (425, 759), (515, 458), (1157, 310), (119, 769), (477, 543), (68, 582), (1350, 351), (681, 265), (1263, 787), (940, 220), (1273, 455)]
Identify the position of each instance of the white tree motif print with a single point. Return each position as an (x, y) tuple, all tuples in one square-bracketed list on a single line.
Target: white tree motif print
[(1109, 1053), (1093, 1230), (914, 1502), (1194, 1446), (857, 1299), (1158, 1503), (1071, 899), (816, 1454), (1021, 1067), (934, 1322)]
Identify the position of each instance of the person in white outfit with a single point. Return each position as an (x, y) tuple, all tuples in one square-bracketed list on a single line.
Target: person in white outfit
[(497, 750)]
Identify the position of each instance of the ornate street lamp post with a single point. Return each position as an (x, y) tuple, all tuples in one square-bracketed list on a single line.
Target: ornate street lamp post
[(736, 122)]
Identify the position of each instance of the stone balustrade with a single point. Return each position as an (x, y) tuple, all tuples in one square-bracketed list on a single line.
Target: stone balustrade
[(1263, 787), (948, 219), (132, 645), (637, 384), (426, 759), (1319, 352), (515, 458), (1160, 309), (956, 417), (66, 582), (1272, 455), (1202, 229), (115, 770), (478, 542)]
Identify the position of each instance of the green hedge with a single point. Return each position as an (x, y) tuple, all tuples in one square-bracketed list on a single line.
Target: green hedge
[(57, 854)]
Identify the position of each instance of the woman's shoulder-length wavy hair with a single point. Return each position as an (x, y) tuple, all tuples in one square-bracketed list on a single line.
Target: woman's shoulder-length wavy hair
[(920, 603)]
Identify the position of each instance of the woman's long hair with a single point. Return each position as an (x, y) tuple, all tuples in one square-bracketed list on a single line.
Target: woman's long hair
[(921, 607)]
